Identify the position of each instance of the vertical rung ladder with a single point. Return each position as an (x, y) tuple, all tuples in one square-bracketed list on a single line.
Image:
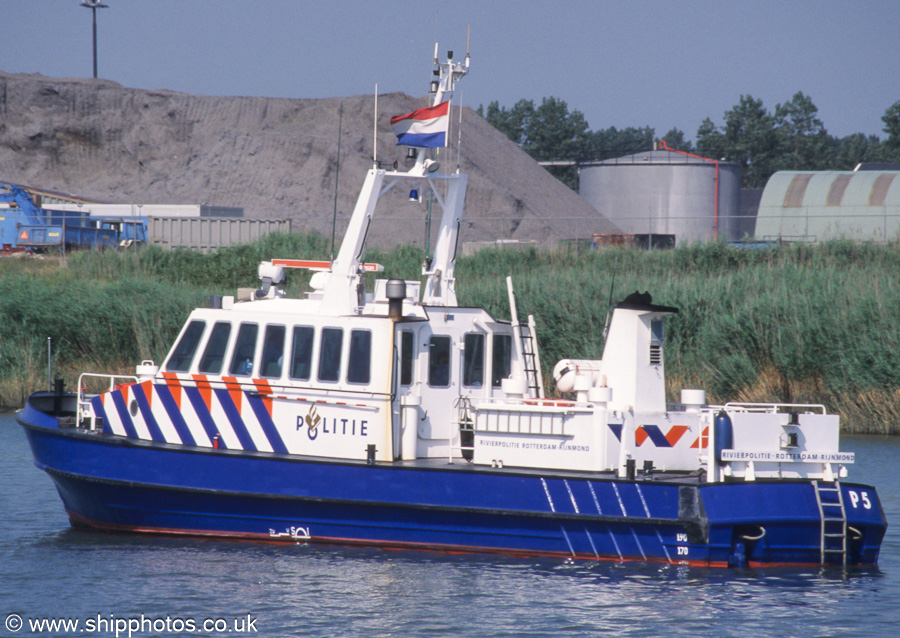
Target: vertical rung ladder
[(833, 539), (533, 377), (524, 334)]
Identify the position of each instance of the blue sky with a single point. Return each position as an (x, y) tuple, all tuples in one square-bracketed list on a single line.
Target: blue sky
[(651, 63)]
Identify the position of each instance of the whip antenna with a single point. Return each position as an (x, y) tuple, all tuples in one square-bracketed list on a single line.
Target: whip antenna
[(460, 104), (336, 177), (375, 132)]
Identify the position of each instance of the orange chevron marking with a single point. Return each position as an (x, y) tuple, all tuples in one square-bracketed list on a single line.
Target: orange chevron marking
[(675, 433), (174, 385), (205, 389), (640, 435), (702, 441), (148, 392), (234, 390), (264, 389)]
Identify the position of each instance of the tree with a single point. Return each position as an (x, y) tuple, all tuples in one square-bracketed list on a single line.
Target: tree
[(511, 122), (710, 140), (612, 142), (804, 144), (794, 138), (555, 134), (748, 138), (675, 139), (854, 150), (549, 132), (891, 119)]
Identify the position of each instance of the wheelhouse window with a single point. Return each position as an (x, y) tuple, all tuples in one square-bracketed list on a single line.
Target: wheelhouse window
[(214, 354), (330, 354), (359, 363), (406, 357), (301, 353), (272, 352), (244, 350), (502, 359), (473, 360), (439, 361), (183, 355)]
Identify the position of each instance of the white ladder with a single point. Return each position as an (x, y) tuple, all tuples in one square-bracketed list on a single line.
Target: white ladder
[(833, 537), (527, 346), (533, 376)]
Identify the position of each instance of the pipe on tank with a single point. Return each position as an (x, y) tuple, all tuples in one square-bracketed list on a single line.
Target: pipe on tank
[(705, 159)]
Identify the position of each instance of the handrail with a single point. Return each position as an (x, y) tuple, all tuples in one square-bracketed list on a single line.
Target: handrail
[(532, 405), (774, 407), (462, 404), (85, 409), (276, 385)]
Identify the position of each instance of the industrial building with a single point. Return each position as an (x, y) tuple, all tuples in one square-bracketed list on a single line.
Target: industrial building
[(668, 192), (33, 218), (815, 206)]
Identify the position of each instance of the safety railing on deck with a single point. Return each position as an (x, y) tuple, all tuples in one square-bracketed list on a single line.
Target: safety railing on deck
[(85, 410), (540, 417), (775, 408)]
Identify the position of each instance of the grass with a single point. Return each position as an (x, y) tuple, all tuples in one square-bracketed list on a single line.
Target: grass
[(807, 324)]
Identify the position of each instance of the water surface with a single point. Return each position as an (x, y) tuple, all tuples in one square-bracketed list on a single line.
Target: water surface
[(49, 570)]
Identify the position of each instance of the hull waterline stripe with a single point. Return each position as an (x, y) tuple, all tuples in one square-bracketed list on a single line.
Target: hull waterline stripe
[(79, 520)]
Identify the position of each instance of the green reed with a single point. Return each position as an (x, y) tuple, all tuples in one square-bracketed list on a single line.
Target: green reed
[(794, 323)]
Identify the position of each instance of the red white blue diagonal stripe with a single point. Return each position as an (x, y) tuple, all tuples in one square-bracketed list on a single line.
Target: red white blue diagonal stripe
[(174, 413), (424, 128)]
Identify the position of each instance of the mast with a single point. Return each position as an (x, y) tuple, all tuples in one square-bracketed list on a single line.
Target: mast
[(440, 283), (341, 285)]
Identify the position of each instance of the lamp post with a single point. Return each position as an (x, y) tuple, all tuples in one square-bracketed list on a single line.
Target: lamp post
[(93, 5)]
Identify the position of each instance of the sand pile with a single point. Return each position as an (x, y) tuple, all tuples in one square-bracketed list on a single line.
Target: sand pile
[(274, 157)]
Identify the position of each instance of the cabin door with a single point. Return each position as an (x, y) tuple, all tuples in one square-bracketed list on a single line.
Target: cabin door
[(406, 412), (428, 389)]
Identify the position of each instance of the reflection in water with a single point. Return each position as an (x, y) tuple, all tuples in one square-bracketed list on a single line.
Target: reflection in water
[(323, 591)]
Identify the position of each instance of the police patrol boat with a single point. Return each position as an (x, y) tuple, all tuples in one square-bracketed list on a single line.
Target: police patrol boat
[(398, 418)]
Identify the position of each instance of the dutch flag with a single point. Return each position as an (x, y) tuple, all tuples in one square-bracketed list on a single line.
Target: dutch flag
[(425, 128)]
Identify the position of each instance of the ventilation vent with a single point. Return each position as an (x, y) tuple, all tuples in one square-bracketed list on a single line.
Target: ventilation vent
[(655, 354)]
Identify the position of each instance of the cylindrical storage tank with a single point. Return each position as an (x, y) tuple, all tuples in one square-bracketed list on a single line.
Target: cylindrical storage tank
[(666, 193)]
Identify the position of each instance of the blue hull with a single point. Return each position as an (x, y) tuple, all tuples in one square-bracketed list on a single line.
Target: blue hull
[(118, 483)]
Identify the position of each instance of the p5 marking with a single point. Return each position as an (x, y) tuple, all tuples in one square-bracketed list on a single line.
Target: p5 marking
[(856, 497)]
